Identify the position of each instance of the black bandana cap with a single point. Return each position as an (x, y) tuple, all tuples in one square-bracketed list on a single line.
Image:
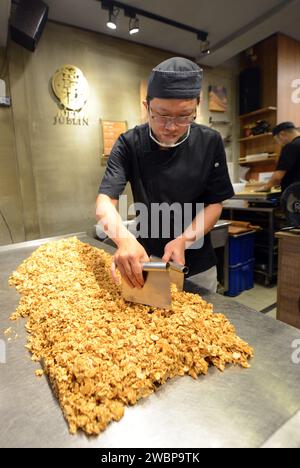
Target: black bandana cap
[(175, 78), (282, 126)]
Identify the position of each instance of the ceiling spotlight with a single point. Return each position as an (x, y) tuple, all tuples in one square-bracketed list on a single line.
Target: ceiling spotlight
[(134, 26), (204, 48), (112, 18)]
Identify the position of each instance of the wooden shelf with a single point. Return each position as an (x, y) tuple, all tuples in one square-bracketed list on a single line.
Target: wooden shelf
[(272, 157), (219, 122), (258, 112), (256, 137)]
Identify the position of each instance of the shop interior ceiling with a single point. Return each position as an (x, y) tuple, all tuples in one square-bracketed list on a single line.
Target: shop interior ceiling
[(232, 25)]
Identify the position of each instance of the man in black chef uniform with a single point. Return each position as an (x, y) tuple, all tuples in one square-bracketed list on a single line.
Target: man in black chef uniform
[(288, 167), (169, 161)]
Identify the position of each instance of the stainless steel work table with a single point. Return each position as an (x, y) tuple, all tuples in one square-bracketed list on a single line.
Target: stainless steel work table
[(252, 407)]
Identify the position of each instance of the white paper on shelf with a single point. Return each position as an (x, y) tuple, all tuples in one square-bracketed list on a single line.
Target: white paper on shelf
[(265, 176), (257, 157), (231, 171)]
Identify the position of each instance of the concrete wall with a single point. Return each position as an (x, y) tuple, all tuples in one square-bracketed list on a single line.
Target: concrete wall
[(11, 209), (49, 174), (223, 76)]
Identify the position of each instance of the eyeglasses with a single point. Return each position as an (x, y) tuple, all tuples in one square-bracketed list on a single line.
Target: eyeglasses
[(181, 121)]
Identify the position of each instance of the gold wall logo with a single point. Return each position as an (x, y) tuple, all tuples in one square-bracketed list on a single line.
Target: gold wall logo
[(71, 89)]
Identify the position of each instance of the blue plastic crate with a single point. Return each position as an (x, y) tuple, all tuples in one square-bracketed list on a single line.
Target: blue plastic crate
[(240, 278), (241, 248)]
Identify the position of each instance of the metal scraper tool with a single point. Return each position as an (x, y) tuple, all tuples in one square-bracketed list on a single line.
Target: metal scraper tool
[(176, 272), (158, 277)]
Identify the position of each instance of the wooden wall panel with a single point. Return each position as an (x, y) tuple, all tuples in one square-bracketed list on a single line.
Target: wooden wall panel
[(288, 76), (288, 293), (265, 57)]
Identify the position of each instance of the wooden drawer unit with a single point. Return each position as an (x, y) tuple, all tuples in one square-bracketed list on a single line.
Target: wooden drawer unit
[(288, 291)]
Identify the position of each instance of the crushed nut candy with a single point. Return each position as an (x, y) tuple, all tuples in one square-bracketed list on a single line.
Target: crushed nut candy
[(39, 372), (101, 353)]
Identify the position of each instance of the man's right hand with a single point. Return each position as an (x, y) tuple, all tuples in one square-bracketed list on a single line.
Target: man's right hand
[(127, 260)]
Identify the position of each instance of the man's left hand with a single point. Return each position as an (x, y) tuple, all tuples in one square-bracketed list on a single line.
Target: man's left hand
[(174, 251)]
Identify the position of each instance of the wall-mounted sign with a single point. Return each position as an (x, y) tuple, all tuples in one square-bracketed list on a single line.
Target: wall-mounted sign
[(217, 99), (71, 89), (143, 97), (111, 130), (64, 117)]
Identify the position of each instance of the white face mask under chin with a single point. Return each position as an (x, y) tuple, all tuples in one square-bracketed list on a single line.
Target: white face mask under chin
[(165, 145)]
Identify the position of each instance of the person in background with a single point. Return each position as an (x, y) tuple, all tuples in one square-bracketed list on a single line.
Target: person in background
[(169, 160), (288, 168)]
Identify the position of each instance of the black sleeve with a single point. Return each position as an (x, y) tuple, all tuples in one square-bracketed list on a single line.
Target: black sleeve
[(116, 175), (288, 158), (219, 187)]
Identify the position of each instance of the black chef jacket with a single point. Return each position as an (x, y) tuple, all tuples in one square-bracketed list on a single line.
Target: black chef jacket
[(193, 172), (290, 161)]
